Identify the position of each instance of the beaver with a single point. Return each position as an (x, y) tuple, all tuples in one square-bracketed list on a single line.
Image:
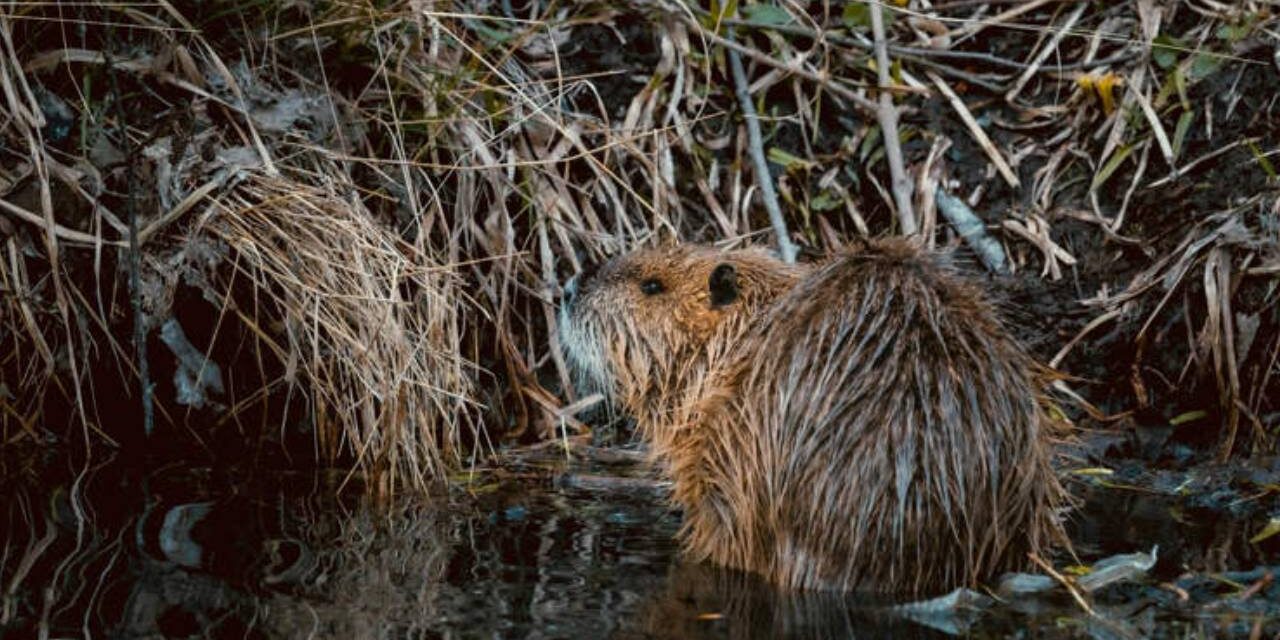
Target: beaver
[(863, 423)]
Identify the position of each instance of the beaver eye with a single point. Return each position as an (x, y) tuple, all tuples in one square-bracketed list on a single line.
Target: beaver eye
[(652, 286)]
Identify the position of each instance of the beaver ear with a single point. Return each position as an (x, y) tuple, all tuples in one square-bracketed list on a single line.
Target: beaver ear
[(723, 284)]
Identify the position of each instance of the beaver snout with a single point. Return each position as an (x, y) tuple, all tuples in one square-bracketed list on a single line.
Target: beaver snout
[(571, 287)]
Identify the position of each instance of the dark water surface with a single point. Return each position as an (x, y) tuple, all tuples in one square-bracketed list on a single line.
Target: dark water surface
[(189, 552)]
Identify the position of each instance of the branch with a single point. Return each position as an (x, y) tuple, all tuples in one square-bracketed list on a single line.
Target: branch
[(768, 196), (887, 115), (135, 255)]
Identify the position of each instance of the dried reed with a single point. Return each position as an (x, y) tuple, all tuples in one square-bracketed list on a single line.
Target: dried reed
[(408, 183)]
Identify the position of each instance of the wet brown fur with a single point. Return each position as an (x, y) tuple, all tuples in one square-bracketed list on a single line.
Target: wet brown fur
[(862, 424)]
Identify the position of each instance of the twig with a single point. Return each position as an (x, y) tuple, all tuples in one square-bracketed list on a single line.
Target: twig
[(608, 455), (643, 487), (1157, 129), (928, 177), (1262, 583), (887, 116), (1071, 588), (990, 83), (1186, 168), (957, 4), (768, 196), (1045, 52), (974, 56), (975, 129), (135, 256), (1093, 324), (1036, 230), (58, 230), (971, 228), (182, 207), (971, 28), (923, 54), (822, 80)]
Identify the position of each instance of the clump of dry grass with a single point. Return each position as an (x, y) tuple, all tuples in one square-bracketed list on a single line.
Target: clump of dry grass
[(1216, 282), (246, 201), (371, 325), (498, 147)]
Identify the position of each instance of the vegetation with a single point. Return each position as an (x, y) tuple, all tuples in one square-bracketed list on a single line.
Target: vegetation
[(356, 215)]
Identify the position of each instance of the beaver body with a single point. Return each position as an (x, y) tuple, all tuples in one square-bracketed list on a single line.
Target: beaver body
[(862, 424)]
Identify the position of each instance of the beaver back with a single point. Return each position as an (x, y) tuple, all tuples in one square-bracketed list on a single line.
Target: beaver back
[(876, 430)]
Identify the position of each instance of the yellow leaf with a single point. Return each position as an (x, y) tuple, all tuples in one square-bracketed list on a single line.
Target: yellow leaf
[(1093, 471), (1103, 87), (1077, 570), (1272, 528), (1105, 83), (1189, 416)]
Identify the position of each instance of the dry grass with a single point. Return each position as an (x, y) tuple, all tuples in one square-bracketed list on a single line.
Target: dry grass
[(407, 184), (369, 322), (1230, 335)]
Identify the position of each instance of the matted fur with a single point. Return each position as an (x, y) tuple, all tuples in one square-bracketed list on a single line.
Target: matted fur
[(864, 425), (650, 353)]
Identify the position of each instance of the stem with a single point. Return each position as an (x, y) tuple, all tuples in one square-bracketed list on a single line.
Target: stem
[(135, 260), (887, 115), (768, 196)]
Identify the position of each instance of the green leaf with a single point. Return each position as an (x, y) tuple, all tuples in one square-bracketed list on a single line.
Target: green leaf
[(1262, 160), (766, 14), (869, 143), (786, 160), (825, 201), (494, 36), (1111, 166), (1165, 50), (1056, 412), (1180, 83), (857, 16), (1233, 33), (873, 159), (1180, 132), (1202, 66), (729, 10), (719, 12), (1272, 528), (1184, 418)]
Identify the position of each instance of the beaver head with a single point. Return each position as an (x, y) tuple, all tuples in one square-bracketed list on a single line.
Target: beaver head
[(645, 326)]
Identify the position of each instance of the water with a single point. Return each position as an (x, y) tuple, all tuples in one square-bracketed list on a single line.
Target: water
[(186, 552)]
